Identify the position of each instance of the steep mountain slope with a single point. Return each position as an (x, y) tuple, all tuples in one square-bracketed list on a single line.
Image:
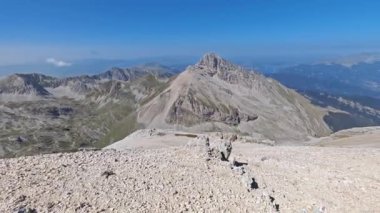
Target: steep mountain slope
[(217, 95)]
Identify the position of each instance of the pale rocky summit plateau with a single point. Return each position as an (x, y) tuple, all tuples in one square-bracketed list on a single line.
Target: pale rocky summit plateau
[(185, 173)]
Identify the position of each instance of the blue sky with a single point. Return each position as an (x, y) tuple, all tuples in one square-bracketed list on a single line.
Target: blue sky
[(69, 30)]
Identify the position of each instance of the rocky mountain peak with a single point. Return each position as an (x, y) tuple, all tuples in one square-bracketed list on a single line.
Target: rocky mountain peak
[(214, 62), (216, 94), (23, 84), (115, 73)]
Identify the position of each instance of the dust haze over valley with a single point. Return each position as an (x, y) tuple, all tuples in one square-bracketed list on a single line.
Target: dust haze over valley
[(198, 106)]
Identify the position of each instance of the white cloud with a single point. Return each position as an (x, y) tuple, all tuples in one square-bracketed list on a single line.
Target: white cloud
[(57, 63)]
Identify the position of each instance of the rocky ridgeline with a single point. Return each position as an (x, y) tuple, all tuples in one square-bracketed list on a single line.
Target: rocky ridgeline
[(220, 149)]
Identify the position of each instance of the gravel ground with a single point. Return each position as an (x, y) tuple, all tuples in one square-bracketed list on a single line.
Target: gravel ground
[(159, 180), (184, 179), (311, 179)]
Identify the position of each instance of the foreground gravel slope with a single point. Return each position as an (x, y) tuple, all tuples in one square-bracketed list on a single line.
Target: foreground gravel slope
[(310, 178), (137, 181), (175, 179)]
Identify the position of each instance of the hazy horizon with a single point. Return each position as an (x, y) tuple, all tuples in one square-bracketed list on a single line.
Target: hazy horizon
[(52, 36)]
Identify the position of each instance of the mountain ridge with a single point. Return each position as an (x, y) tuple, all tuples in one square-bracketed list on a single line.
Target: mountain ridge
[(211, 95), (38, 85)]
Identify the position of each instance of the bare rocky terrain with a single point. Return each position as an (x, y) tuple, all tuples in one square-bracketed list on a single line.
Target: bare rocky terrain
[(44, 114), (189, 177), (163, 180), (211, 139), (217, 95)]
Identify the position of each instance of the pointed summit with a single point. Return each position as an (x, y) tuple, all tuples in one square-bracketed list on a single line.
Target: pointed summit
[(214, 62), (216, 95)]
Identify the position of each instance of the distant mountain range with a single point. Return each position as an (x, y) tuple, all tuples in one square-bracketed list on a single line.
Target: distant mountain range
[(41, 114), (44, 114), (93, 66), (362, 79), (37, 85), (350, 84), (351, 60)]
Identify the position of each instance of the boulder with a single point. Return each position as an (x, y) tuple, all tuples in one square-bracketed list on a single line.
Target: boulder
[(233, 138), (225, 148), (221, 149)]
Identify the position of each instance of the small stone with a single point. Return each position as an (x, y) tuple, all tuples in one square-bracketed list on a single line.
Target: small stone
[(26, 210), (233, 138), (108, 173), (20, 199)]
